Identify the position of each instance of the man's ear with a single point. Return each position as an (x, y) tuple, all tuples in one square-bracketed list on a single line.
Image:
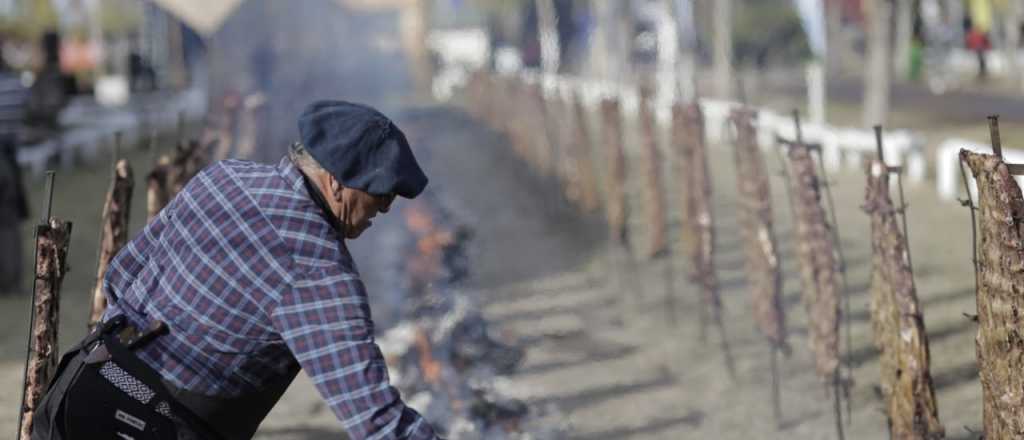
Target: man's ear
[(335, 188)]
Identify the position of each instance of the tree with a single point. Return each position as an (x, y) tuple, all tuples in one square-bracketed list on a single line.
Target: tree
[(547, 26), (607, 54), (836, 42), (722, 43), (904, 36), (878, 69), (1012, 26)]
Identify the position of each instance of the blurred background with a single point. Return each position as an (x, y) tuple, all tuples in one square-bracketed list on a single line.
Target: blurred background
[(491, 293)]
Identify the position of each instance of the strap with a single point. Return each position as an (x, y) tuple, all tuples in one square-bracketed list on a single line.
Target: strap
[(134, 366)]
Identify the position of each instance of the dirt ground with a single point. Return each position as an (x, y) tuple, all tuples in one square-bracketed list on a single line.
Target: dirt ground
[(617, 369), (605, 357)]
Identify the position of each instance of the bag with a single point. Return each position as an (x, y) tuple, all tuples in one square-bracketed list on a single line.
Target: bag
[(102, 390)]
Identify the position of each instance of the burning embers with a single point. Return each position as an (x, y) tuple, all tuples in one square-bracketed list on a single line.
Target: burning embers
[(443, 354)]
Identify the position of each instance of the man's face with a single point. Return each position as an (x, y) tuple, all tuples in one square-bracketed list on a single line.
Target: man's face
[(358, 208)]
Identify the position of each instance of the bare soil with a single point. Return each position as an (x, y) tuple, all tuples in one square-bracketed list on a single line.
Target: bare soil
[(606, 357)]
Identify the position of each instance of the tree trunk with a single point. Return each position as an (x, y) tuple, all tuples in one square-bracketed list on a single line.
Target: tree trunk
[(904, 36), (878, 73), (834, 33), (1012, 43), (547, 27), (413, 26), (687, 64), (114, 235), (51, 265), (955, 20), (897, 320), (605, 52), (722, 21), (668, 54), (1000, 257)]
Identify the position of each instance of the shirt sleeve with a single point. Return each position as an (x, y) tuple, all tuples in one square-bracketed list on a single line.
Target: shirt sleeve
[(325, 320)]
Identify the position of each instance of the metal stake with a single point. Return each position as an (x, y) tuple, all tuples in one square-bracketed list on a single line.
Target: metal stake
[(903, 202), (776, 394), (837, 388), (969, 203), (993, 131)]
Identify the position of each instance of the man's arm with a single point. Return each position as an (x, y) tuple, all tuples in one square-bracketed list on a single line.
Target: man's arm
[(325, 320)]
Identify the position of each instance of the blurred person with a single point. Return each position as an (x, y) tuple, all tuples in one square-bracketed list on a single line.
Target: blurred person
[(978, 42), (247, 277), (13, 203), (141, 73), (50, 91), (978, 24)]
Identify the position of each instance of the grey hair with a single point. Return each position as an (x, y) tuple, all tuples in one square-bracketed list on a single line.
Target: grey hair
[(305, 161)]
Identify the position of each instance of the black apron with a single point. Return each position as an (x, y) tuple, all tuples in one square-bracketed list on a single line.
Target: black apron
[(102, 390)]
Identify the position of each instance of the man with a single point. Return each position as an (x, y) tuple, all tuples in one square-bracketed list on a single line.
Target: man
[(247, 278), (13, 204)]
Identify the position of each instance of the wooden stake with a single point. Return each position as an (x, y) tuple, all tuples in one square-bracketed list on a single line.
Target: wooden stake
[(52, 239), (114, 232)]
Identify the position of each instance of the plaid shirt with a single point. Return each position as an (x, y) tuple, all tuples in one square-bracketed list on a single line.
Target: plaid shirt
[(251, 279)]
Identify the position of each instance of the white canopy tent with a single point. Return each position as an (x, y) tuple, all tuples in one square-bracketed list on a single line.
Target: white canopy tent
[(203, 16), (207, 16)]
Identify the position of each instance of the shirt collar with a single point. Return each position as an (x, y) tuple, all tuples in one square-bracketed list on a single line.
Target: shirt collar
[(302, 185)]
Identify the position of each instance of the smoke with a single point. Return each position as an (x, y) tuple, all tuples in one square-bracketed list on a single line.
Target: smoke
[(298, 52)]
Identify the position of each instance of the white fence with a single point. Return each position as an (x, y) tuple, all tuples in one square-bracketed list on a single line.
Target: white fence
[(948, 180), (841, 146)]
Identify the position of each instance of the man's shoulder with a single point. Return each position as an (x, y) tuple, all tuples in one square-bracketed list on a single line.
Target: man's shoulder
[(240, 167), (279, 194)]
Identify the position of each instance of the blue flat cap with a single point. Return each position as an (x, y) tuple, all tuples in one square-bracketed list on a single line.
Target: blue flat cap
[(361, 148)]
